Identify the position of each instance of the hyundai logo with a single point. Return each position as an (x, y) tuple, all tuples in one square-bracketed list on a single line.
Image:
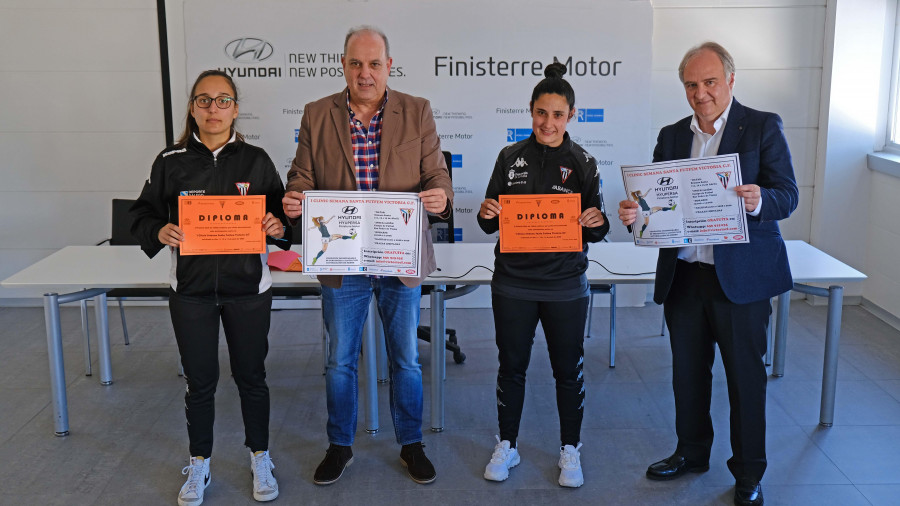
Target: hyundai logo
[(249, 50), (349, 210), (664, 181)]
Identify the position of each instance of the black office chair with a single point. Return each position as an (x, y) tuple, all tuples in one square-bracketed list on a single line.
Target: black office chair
[(424, 332), (121, 236)]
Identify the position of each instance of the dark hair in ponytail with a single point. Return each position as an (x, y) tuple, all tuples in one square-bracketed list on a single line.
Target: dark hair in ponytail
[(554, 83)]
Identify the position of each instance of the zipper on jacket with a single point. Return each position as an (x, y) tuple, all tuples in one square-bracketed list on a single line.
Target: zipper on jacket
[(540, 177), (216, 272)]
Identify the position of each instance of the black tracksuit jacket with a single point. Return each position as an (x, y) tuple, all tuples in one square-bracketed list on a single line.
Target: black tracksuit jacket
[(193, 170), (528, 167)]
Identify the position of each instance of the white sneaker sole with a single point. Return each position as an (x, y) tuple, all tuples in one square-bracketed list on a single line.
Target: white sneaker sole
[(488, 475), (573, 483), (265, 498), (182, 502)]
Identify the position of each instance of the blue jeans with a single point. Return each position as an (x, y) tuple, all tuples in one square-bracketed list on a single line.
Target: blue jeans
[(346, 309)]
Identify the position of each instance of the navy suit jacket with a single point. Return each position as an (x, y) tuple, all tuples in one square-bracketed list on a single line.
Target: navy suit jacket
[(759, 269)]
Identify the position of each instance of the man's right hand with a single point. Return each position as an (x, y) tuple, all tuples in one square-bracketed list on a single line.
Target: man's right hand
[(292, 204), (628, 210)]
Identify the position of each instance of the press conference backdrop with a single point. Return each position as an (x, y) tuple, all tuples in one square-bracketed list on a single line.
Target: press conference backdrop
[(477, 62)]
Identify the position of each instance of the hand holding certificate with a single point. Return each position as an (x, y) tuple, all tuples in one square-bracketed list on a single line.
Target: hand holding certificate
[(687, 202), (223, 225), (540, 223)]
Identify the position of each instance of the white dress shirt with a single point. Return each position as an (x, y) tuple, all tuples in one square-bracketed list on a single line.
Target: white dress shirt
[(707, 145)]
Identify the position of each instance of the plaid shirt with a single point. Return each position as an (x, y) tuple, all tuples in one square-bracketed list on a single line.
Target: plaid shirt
[(366, 146)]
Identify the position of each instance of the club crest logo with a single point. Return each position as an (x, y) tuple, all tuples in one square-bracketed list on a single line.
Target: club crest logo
[(723, 178), (243, 188), (564, 172), (406, 214)]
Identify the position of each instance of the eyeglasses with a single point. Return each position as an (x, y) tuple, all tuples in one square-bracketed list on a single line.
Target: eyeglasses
[(204, 101)]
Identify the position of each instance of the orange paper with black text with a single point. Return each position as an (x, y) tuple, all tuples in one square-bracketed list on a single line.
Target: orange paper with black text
[(222, 224), (540, 223)]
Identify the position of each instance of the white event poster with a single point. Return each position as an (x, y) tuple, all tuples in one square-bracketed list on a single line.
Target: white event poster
[(687, 202), (352, 232)]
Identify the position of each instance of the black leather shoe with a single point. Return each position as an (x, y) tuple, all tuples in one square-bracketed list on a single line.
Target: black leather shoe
[(337, 458), (417, 464), (748, 493), (673, 467)]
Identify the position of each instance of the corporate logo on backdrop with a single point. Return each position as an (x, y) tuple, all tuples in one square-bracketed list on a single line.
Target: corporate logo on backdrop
[(511, 110), (249, 50), (456, 161), (517, 134), (455, 137), (438, 114), (590, 115), (462, 66)]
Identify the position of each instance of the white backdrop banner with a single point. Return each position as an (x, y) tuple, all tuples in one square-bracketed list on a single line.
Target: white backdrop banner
[(476, 61)]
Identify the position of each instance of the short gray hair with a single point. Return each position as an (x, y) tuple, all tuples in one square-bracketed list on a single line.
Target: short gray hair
[(371, 29), (721, 52)]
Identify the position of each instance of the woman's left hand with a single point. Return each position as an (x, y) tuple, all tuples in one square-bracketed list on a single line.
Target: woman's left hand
[(591, 218), (272, 226)]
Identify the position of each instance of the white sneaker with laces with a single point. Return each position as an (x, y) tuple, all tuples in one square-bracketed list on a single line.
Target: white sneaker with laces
[(265, 488), (197, 471), (503, 459), (570, 474)]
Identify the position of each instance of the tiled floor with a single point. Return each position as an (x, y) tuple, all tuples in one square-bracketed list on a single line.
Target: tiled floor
[(128, 441)]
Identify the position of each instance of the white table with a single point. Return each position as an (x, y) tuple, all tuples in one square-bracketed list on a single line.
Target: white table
[(810, 265), (90, 271)]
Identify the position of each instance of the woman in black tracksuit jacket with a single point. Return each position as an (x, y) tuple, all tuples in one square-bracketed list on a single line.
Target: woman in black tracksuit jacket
[(211, 158), (548, 287)]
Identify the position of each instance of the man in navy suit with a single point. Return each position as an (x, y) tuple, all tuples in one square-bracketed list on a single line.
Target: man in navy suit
[(719, 295)]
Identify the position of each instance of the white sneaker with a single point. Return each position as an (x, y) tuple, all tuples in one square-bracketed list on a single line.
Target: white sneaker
[(570, 474), (197, 471), (265, 488), (503, 459)]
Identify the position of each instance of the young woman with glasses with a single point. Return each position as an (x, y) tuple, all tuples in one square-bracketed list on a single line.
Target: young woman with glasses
[(211, 158)]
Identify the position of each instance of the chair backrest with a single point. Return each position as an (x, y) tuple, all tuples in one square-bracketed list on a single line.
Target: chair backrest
[(448, 157), (121, 223)]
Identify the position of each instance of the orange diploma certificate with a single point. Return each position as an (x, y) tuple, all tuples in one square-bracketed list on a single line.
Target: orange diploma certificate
[(540, 223), (222, 225)]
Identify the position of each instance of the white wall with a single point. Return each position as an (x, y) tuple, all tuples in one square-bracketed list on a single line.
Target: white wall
[(856, 32), (82, 107), (81, 120)]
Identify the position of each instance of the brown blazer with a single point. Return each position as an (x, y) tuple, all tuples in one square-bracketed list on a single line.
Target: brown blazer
[(410, 159)]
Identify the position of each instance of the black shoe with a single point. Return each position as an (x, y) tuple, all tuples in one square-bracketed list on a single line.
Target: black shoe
[(332, 467), (673, 467), (748, 493), (416, 463)]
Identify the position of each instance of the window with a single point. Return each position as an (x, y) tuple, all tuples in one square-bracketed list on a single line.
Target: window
[(892, 141)]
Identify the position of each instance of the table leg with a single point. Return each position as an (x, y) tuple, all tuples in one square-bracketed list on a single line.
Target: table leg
[(832, 340), (370, 370), (781, 324), (612, 326), (101, 317), (438, 358), (86, 335), (57, 368)]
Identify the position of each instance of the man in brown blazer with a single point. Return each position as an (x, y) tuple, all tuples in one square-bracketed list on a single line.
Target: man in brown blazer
[(368, 137)]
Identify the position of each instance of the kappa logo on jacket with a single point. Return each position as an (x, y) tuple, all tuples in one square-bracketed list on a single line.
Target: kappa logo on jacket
[(519, 163)]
